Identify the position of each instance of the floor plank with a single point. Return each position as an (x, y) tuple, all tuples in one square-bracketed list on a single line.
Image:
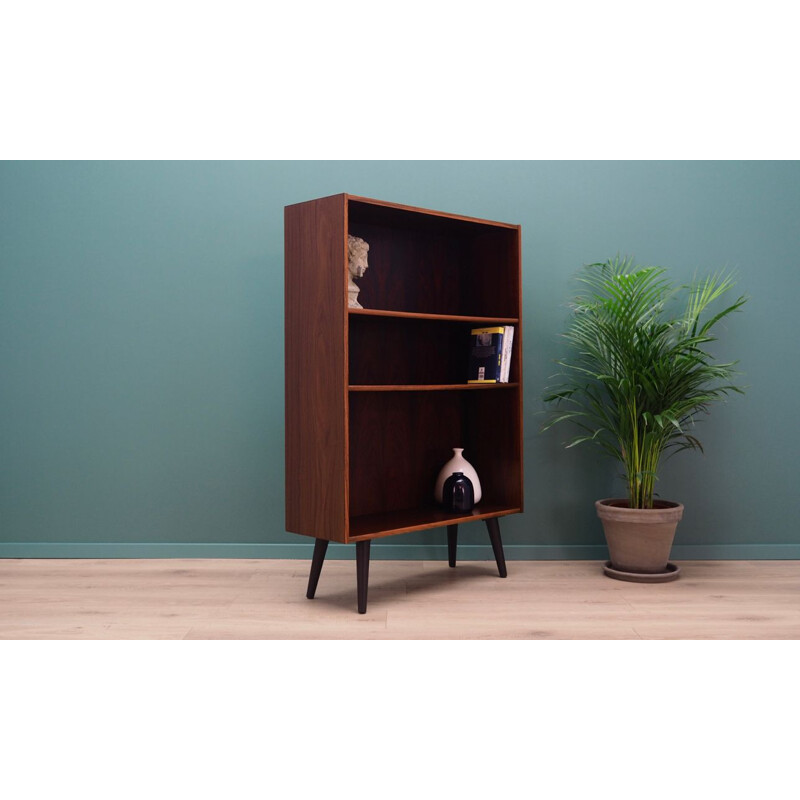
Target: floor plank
[(265, 599)]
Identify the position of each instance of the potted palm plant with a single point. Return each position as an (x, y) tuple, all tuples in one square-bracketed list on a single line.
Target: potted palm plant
[(638, 375)]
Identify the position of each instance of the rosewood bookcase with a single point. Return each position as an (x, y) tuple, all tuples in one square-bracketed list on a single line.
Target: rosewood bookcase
[(377, 398)]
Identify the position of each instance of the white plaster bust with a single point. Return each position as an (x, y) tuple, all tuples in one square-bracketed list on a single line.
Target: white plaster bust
[(357, 250)]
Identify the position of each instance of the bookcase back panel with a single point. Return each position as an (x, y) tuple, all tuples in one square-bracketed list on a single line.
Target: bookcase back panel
[(398, 443), (494, 427), (400, 440), (386, 350), (494, 266)]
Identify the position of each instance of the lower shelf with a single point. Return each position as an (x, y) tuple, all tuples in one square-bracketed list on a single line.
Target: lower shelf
[(372, 526)]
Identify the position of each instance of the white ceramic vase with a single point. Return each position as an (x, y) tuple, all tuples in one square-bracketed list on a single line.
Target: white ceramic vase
[(457, 464)]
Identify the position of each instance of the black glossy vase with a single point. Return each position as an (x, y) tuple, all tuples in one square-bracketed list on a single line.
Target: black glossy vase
[(458, 494)]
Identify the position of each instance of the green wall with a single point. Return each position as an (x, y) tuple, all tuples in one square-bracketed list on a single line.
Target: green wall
[(141, 319)]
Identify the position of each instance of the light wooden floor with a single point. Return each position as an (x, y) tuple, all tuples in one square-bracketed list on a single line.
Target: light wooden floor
[(265, 599)]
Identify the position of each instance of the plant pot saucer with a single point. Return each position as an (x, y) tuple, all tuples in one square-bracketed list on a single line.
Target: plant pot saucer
[(672, 572)]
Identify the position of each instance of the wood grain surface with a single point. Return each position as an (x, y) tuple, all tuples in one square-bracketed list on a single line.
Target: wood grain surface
[(265, 599), (315, 370)]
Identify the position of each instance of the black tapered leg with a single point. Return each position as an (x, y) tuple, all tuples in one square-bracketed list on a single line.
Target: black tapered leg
[(497, 545), (320, 548), (452, 543), (362, 574)]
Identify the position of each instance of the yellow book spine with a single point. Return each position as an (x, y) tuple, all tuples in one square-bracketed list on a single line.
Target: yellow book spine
[(487, 330)]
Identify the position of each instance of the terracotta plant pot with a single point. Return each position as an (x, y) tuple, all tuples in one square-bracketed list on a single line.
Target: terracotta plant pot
[(639, 539)]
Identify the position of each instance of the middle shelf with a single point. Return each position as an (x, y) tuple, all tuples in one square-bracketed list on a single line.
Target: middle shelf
[(431, 387)]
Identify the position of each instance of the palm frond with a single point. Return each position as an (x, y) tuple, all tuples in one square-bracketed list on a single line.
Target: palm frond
[(636, 378)]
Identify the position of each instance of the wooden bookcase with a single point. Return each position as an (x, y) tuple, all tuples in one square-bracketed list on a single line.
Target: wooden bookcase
[(376, 399)]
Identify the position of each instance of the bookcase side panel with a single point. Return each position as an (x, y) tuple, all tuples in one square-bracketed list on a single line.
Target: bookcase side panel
[(516, 366), (315, 374)]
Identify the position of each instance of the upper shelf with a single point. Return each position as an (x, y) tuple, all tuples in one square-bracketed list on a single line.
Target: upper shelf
[(371, 312)]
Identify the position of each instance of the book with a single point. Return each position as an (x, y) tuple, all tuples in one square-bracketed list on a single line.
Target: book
[(485, 355), (505, 365)]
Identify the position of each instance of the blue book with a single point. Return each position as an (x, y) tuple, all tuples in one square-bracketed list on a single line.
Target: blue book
[(486, 355)]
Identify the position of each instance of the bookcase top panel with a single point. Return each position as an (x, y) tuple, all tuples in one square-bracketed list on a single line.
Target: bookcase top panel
[(378, 212)]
